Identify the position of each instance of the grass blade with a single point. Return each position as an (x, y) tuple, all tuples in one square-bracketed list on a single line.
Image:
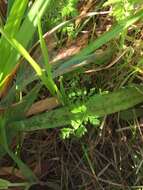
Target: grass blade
[(50, 82)]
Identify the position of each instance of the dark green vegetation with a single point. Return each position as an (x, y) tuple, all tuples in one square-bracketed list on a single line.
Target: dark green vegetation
[(71, 94)]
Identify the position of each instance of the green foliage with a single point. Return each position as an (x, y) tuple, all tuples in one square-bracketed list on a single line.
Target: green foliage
[(17, 25), (13, 38), (99, 42), (69, 10), (49, 82), (121, 9), (78, 127), (97, 105), (62, 10), (83, 110), (75, 91), (70, 30), (45, 76)]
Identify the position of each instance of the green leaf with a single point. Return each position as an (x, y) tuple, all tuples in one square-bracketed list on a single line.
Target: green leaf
[(51, 85), (10, 4), (80, 131), (75, 123), (66, 133), (79, 109), (94, 120), (98, 105)]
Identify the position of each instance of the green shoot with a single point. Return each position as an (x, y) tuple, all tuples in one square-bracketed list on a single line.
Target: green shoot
[(49, 80)]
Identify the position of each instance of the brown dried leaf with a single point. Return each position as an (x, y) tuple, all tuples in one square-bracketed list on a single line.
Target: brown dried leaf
[(43, 105)]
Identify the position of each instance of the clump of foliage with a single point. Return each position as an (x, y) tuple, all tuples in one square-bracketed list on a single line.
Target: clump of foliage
[(69, 9), (122, 9), (62, 11), (82, 108)]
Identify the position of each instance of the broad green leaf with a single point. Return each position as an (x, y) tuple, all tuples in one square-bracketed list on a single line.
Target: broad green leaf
[(98, 105)]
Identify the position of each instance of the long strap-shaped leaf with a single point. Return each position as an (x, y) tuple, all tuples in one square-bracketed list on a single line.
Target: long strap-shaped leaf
[(103, 39), (15, 17), (24, 35), (98, 105), (11, 27)]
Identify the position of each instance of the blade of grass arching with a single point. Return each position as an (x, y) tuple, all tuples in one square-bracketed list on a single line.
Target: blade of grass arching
[(103, 39), (95, 58), (27, 172), (50, 82), (14, 43), (28, 27), (44, 50), (98, 105), (41, 74)]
